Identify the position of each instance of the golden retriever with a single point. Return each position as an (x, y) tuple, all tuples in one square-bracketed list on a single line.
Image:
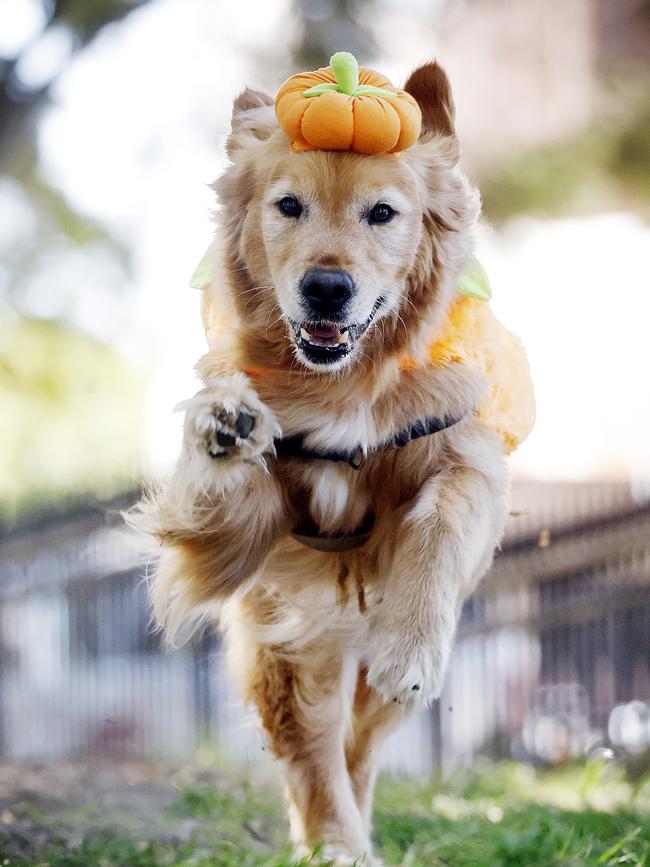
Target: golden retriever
[(335, 551)]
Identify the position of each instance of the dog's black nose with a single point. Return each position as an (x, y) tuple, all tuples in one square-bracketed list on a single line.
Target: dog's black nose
[(326, 291)]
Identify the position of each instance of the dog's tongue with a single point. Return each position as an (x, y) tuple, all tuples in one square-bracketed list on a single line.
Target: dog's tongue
[(324, 333), (323, 330)]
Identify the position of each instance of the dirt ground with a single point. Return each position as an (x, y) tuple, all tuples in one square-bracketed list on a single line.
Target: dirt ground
[(37, 800)]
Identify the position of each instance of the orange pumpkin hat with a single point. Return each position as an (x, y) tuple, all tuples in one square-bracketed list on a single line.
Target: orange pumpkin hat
[(346, 107)]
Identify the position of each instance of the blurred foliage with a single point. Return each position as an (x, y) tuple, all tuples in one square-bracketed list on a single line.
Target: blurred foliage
[(72, 404), (74, 411), (630, 157), (84, 19), (331, 25), (46, 226), (604, 167), (502, 816), (87, 17)]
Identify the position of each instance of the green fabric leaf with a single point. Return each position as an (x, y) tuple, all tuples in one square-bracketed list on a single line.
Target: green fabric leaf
[(204, 272), (474, 281), (317, 89)]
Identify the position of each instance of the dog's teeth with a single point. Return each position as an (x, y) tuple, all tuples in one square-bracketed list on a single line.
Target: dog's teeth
[(343, 338), (305, 334)]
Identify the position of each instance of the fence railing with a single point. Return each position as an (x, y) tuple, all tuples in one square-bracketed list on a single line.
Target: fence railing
[(552, 656)]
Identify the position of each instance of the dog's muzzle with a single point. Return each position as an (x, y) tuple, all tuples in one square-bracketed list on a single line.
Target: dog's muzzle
[(325, 342)]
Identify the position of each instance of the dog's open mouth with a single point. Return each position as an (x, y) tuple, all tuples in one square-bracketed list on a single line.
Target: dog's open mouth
[(325, 334), (324, 342)]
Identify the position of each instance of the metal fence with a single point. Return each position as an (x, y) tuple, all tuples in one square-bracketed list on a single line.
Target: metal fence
[(552, 658)]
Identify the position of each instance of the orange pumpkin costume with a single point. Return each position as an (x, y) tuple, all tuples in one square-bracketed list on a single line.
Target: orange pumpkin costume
[(474, 336)]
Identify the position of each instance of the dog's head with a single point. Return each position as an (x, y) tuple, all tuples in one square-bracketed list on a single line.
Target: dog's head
[(324, 246)]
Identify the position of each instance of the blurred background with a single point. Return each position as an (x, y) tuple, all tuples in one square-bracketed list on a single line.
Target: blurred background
[(112, 122)]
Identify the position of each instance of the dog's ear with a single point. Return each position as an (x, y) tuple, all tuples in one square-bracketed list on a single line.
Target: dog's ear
[(450, 205), (252, 117), (253, 121), (430, 88), (248, 99)]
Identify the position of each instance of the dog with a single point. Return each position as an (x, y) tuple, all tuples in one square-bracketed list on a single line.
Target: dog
[(316, 509)]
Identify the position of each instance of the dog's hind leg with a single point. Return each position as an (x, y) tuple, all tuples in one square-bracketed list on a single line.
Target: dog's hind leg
[(304, 704), (372, 721)]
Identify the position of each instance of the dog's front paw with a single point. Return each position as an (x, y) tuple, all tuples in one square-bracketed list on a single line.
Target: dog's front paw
[(226, 421), (231, 431), (227, 428), (405, 669)]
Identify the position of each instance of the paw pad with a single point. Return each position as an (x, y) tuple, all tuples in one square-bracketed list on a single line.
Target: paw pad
[(232, 427), (229, 430), (244, 424), (225, 439)]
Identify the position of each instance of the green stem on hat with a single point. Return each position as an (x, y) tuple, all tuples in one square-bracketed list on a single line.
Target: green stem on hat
[(346, 72)]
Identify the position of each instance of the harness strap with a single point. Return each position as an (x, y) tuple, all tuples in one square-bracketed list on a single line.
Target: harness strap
[(294, 446)]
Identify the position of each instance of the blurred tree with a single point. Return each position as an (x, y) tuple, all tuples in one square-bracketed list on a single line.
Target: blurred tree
[(332, 25), (70, 404), (74, 23)]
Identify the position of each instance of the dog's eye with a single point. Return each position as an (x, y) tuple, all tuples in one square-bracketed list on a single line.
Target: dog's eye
[(289, 206), (381, 213)]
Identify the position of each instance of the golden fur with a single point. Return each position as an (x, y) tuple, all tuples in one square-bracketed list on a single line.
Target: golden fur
[(334, 649)]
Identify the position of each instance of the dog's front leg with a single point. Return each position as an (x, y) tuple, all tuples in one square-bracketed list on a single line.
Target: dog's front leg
[(221, 512), (443, 546)]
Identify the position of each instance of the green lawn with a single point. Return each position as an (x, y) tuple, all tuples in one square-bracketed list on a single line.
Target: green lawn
[(503, 815)]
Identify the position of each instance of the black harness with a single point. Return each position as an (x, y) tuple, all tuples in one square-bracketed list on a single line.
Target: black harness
[(294, 446)]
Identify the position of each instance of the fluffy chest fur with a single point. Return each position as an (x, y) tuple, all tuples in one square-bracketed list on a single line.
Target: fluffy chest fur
[(337, 503), (338, 498)]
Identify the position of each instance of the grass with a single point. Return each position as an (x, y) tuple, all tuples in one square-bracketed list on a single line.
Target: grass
[(502, 816)]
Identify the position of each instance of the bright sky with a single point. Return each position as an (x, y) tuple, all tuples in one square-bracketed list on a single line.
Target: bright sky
[(135, 136)]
